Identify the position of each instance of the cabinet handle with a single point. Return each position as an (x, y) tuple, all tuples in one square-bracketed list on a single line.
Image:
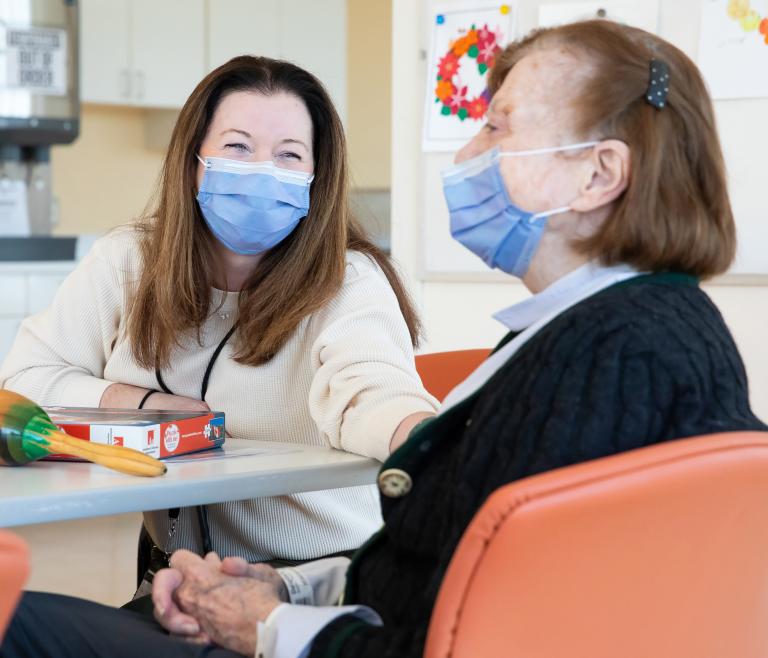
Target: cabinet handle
[(139, 75), (125, 83)]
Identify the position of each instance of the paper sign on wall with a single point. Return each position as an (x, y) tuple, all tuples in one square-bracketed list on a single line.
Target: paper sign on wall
[(465, 40), (733, 48), (637, 13), (14, 218), (35, 60)]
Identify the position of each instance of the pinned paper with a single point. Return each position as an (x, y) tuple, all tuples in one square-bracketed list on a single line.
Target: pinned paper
[(733, 48), (35, 60), (465, 42), (637, 13), (14, 216)]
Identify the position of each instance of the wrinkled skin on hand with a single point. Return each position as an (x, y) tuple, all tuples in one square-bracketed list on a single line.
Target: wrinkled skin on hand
[(213, 600)]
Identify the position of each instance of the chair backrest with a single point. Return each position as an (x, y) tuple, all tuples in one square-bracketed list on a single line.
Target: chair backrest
[(14, 569), (440, 372), (659, 552)]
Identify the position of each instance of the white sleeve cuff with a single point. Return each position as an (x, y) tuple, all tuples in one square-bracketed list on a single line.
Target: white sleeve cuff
[(289, 630), (320, 582)]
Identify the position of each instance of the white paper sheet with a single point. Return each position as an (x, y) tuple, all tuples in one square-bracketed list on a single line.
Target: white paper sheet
[(637, 13), (465, 38), (14, 216), (733, 48)]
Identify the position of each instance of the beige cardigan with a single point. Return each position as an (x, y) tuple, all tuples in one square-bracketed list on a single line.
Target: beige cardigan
[(345, 380)]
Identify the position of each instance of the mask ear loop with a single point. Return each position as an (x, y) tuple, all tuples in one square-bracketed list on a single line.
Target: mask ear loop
[(551, 149), (205, 163), (549, 213)]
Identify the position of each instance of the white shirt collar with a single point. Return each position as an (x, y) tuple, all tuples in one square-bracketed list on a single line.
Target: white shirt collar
[(523, 314), (536, 313)]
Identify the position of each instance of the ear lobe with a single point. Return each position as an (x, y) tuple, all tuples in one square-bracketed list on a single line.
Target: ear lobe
[(608, 176)]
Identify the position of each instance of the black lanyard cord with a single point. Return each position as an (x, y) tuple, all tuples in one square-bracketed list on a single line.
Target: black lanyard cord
[(208, 368), (202, 512)]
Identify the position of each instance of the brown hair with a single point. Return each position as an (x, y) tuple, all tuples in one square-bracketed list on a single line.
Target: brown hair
[(675, 214), (292, 280)]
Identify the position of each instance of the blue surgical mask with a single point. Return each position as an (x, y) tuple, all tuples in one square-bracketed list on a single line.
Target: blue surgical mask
[(252, 206), (483, 217)]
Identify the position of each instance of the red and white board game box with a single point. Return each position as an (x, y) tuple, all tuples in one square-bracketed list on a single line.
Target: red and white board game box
[(156, 433)]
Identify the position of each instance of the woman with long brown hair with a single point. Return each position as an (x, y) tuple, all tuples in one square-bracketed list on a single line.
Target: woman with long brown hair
[(247, 288)]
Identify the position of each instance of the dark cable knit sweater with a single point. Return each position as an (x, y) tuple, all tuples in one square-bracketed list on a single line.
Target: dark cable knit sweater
[(644, 361)]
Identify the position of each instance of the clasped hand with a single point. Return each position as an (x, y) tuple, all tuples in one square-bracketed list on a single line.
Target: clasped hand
[(213, 600)]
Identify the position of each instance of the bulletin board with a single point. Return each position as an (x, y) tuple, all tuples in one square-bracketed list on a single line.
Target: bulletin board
[(703, 29)]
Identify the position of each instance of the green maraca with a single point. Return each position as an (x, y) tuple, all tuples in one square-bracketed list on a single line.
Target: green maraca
[(27, 434)]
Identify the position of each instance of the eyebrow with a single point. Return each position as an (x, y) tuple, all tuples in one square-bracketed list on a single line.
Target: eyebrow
[(237, 130), (500, 107), (294, 141)]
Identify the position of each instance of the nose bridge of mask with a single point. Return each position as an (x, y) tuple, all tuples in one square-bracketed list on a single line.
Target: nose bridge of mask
[(265, 167), (254, 181), (458, 173)]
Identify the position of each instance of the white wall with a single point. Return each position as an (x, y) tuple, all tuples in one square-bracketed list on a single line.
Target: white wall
[(457, 308)]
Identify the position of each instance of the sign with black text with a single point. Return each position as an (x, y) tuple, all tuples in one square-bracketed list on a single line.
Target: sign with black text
[(35, 60)]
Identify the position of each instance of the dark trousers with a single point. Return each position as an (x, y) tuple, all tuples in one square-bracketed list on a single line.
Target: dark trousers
[(56, 626)]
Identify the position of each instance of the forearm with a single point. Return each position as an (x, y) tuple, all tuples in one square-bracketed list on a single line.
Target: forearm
[(365, 411), (122, 396)]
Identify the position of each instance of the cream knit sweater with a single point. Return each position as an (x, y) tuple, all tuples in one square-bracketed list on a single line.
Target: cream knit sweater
[(345, 380)]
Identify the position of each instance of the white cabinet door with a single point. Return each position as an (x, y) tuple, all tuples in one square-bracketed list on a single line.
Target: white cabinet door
[(310, 33), (168, 51), (243, 27), (105, 73), (314, 35)]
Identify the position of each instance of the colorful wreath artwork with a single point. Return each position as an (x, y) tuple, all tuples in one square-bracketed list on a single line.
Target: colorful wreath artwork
[(748, 18), (482, 45)]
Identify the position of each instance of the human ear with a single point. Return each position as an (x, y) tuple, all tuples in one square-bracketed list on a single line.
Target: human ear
[(606, 178)]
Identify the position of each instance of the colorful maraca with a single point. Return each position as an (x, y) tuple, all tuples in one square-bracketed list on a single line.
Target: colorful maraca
[(27, 434)]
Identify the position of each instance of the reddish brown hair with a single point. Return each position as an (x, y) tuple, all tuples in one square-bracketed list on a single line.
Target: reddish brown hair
[(675, 214), (294, 279)]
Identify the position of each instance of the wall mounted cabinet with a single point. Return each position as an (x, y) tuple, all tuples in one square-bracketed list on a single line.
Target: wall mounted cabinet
[(141, 52), (152, 54), (308, 33)]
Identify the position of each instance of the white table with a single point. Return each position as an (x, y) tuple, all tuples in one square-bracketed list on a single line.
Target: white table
[(56, 491)]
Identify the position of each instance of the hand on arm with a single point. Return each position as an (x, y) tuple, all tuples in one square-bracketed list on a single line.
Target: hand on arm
[(365, 383), (405, 428)]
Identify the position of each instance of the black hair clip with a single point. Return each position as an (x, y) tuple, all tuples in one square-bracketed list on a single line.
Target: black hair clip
[(658, 84)]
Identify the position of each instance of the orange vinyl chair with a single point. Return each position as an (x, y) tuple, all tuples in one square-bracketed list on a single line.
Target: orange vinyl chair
[(442, 371), (14, 569), (660, 552)]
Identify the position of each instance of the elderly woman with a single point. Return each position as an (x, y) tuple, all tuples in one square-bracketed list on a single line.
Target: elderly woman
[(599, 181)]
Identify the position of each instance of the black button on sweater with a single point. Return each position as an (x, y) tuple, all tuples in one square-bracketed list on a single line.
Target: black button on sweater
[(645, 361)]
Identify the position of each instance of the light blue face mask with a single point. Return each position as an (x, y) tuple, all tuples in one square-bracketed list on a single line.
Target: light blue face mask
[(483, 217), (252, 206)]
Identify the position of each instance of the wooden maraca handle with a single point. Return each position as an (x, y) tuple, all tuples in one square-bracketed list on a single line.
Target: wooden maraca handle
[(117, 458)]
